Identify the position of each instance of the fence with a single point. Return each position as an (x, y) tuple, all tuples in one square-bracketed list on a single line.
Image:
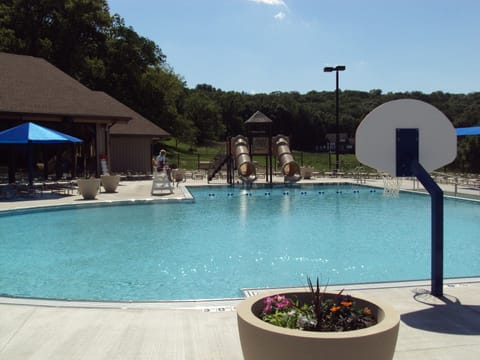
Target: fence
[(319, 161)]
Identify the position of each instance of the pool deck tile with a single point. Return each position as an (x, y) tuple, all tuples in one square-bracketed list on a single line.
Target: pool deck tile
[(431, 328)]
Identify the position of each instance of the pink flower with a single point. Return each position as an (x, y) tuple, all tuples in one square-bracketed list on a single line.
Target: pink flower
[(268, 300), (282, 305), (282, 302), (277, 302), (268, 304)]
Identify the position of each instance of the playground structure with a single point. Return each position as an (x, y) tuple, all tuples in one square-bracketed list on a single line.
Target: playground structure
[(280, 147), (240, 151)]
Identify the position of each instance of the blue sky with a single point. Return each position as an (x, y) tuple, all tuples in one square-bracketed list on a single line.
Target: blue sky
[(282, 45)]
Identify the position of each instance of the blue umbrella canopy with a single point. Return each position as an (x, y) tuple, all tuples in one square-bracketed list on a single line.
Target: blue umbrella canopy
[(32, 133)]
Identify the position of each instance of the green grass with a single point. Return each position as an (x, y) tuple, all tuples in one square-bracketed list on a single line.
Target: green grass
[(182, 155), (326, 162)]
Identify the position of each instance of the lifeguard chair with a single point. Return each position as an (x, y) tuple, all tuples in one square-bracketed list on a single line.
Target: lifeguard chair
[(161, 183)]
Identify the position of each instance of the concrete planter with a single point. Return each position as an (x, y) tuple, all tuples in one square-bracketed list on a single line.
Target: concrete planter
[(110, 182), (88, 188), (261, 340), (307, 172)]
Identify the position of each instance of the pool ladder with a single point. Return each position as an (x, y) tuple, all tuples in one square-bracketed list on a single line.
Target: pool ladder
[(360, 175)]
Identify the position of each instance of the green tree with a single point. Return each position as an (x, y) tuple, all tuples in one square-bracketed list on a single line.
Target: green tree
[(68, 33), (78, 37), (160, 89), (468, 159), (231, 104), (26, 26), (206, 115), (127, 58)]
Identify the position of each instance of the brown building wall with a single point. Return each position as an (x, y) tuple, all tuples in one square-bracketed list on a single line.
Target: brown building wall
[(130, 153)]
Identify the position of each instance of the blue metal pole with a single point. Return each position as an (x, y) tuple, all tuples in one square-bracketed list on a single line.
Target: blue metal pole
[(436, 195), (407, 157)]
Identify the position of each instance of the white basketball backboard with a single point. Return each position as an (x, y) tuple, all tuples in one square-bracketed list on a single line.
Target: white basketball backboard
[(375, 139)]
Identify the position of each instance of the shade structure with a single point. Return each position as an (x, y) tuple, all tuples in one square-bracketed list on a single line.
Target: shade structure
[(473, 130), (31, 133)]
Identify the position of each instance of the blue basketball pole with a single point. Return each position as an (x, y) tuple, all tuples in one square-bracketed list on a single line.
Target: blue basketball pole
[(436, 195), (408, 165)]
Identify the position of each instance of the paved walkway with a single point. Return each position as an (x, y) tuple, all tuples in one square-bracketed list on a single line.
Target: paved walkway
[(431, 328)]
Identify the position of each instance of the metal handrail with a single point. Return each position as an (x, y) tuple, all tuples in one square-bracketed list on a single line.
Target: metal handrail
[(359, 174)]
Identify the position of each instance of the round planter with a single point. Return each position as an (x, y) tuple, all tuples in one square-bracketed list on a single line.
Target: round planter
[(261, 340), (88, 187), (110, 182), (307, 172)]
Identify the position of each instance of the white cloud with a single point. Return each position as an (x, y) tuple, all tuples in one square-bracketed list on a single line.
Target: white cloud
[(280, 16), (271, 2)]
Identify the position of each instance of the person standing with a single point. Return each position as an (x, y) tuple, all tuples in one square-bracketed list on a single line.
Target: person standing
[(161, 160)]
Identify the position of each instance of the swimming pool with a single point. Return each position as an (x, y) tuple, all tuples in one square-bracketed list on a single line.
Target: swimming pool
[(229, 239)]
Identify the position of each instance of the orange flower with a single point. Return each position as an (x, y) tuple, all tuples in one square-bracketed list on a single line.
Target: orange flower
[(367, 311), (347, 303), (335, 308)]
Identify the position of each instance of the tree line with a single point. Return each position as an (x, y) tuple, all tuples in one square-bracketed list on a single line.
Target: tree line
[(97, 48)]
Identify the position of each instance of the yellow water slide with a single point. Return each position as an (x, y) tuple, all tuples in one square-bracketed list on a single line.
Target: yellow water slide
[(290, 169), (245, 167)]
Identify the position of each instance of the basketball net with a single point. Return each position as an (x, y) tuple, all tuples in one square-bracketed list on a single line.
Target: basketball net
[(391, 186)]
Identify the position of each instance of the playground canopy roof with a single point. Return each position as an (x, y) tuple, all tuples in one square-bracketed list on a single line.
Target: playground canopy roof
[(474, 130), (258, 117)]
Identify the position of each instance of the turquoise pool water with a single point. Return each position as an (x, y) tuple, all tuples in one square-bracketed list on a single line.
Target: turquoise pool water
[(231, 239)]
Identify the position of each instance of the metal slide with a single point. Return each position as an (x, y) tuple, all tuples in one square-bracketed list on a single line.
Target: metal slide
[(290, 169), (245, 167)]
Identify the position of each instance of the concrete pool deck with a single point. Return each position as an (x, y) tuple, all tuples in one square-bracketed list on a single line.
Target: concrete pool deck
[(431, 328)]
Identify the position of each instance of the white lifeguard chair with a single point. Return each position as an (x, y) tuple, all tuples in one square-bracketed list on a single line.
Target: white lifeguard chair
[(161, 184)]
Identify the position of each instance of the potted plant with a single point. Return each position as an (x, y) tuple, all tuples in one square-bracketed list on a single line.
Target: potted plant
[(88, 188), (310, 324), (110, 182)]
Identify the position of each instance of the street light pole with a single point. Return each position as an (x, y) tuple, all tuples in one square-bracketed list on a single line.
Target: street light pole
[(337, 112)]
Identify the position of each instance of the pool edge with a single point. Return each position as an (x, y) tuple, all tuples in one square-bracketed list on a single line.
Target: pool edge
[(222, 304)]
